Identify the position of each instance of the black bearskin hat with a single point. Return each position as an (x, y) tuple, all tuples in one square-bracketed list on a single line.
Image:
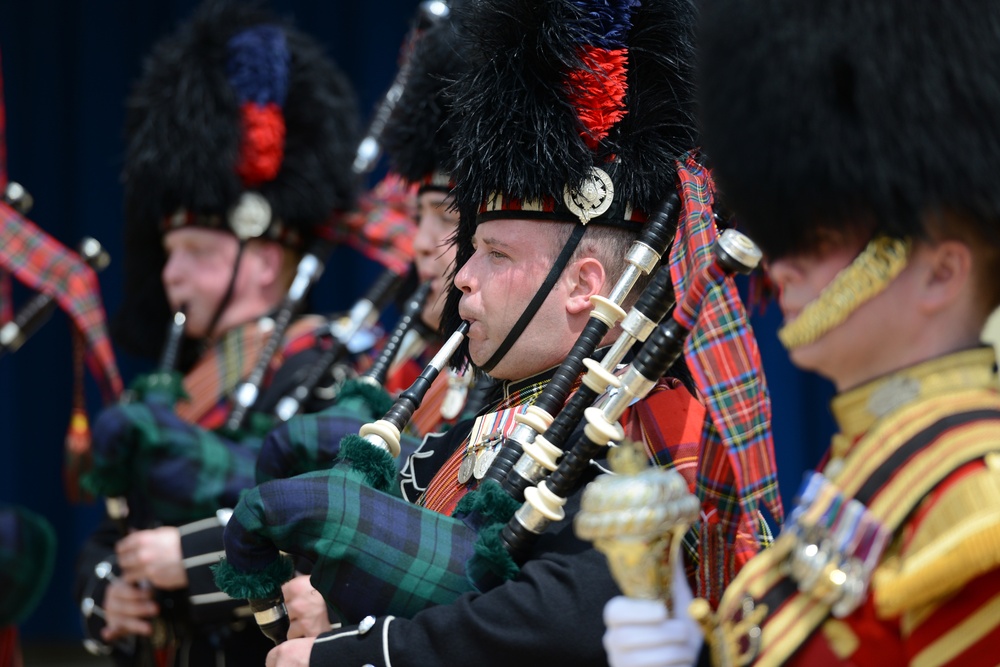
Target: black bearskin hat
[(558, 87), (851, 116), (234, 102), (417, 136)]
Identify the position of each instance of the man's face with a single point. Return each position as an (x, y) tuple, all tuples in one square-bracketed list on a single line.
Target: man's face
[(197, 273), (511, 259), (434, 253), (860, 348)]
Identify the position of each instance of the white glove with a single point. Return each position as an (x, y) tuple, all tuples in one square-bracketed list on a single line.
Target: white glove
[(641, 634)]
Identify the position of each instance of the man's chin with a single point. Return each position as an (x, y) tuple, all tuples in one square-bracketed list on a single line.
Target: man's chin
[(195, 330), (810, 357), (479, 356)]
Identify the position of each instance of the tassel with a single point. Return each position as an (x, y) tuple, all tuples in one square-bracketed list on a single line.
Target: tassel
[(6, 305), (78, 457)]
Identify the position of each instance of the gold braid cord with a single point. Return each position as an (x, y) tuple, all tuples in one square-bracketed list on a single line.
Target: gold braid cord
[(870, 273)]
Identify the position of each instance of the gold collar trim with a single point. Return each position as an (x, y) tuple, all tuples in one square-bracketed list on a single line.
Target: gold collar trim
[(856, 410)]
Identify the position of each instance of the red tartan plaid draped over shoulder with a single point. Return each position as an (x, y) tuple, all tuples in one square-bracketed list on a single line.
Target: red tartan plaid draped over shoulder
[(45, 265), (383, 225), (737, 470)]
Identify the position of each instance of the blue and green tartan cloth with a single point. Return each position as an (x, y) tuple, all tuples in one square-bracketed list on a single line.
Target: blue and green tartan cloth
[(310, 442), (27, 555), (171, 470), (166, 468), (379, 553)]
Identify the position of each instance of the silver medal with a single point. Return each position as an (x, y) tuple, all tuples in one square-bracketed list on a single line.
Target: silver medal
[(465, 470), (484, 460)]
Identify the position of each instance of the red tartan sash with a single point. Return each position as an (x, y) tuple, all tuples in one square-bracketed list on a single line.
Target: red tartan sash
[(427, 418), (444, 490), (226, 364)]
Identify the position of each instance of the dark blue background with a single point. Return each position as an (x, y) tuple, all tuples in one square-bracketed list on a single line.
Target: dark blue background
[(67, 67)]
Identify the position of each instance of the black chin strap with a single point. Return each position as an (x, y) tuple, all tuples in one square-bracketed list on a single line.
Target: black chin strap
[(536, 302), (227, 297)]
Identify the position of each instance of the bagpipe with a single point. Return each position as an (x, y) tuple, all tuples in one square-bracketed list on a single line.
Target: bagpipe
[(138, 474), (152, 466), (367, 451), (67, 280), (371, 455), (156, 434), (312, 442), (366, 562)]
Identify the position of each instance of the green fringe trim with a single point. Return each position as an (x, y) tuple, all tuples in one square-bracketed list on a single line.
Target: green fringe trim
[(491, 556), (253, 585), (495, 508), (377, 465), (490, 502), (377, 399)]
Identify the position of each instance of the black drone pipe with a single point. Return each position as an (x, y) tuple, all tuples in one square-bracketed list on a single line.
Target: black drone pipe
[(408, 319), (539, 457), (385, 432), (363, 313), (307, 272)]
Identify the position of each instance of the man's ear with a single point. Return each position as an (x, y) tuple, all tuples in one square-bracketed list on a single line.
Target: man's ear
[(949, 272), (270, 261), (588, 277)]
